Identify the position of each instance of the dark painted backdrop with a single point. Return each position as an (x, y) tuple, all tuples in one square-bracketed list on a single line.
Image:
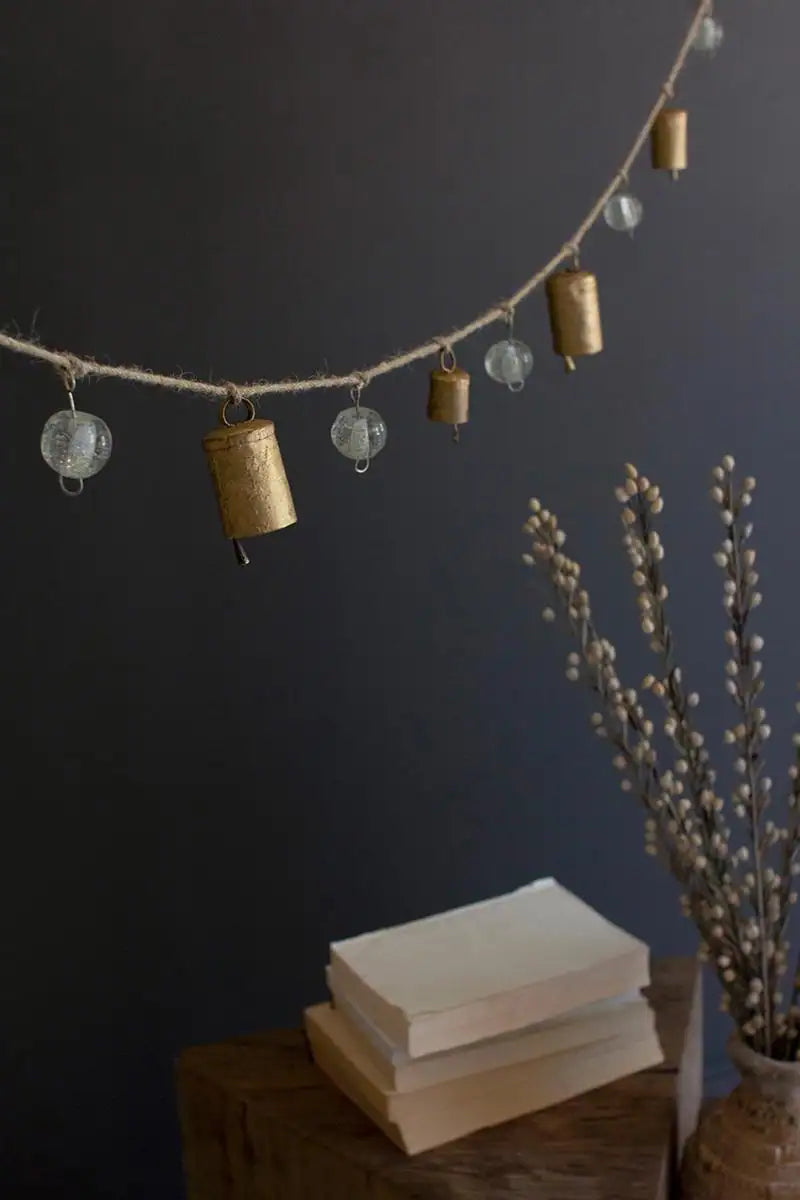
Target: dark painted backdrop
[(206, 773)]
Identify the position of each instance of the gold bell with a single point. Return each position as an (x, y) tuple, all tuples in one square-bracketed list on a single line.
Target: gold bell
[(448, 395), (669, 141), (249, 477), (574, 307)]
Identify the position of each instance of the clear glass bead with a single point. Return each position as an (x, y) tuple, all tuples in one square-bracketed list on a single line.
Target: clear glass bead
[(359, 433), (509, 362), (623, 212), (709, 36), (76, 445)]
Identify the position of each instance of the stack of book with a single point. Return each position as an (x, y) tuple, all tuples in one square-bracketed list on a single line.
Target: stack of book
[(472, 1017)]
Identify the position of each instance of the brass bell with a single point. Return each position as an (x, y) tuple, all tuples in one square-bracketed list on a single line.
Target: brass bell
[(448, 395), (669, 141), (249, 477), (574, 307)]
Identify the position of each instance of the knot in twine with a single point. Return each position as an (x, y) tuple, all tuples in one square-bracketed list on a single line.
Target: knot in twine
[(360, 381), (232, 393), (71, 369), (508, 311), (573, 250), (447, 355), (234, 396)]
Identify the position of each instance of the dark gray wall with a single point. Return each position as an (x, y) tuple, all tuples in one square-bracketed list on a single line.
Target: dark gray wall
[(207, 774)]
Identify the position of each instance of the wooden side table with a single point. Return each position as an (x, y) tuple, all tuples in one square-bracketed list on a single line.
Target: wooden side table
[(260, 1122)]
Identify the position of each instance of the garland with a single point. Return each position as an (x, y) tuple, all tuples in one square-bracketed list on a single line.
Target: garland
[(77, 445)]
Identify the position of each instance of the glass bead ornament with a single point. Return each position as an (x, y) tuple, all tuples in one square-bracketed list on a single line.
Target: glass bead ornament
[(510, 362), (359, 434), (709, 36), (76, 445), (623, 212)]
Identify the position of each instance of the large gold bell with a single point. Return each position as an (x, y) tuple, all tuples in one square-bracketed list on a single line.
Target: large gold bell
[(249, 477), (574, 307)]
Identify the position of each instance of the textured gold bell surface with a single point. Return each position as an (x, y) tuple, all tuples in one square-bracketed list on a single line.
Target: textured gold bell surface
[(248, 476), (669, 141), (573, 303), (448, 396)]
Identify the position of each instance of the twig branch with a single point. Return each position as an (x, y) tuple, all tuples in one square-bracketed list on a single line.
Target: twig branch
[(738, 901)]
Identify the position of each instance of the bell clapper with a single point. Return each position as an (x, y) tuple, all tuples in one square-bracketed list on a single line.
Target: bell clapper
[(240, 552)]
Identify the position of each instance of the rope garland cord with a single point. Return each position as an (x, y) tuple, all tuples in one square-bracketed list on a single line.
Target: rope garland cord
[(74, 368)]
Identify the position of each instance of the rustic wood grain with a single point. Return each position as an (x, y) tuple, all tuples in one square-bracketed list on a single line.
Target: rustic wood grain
[(260, 1122)]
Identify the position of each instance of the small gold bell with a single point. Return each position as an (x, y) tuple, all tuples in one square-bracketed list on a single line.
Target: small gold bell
[(448, 395), (574, 307), (249, 477), (669, 141)]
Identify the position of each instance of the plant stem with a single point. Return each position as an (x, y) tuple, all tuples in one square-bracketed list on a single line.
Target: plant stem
[(739, 615)]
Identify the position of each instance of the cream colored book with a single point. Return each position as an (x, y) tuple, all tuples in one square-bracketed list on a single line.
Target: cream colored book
[(487, 969), (421, 1120), (630, 1016)]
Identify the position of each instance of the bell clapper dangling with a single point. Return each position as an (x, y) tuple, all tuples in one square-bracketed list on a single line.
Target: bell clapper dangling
[(359, 433), (448, 394), (669, 141), (75, 444), (248, 476), (574, 307)]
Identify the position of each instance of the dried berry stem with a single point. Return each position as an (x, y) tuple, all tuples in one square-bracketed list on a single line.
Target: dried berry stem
[(741, 912)]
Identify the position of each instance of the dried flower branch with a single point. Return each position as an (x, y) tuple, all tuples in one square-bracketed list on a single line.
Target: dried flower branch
[(744, 685), (738, 901), (642, 502)]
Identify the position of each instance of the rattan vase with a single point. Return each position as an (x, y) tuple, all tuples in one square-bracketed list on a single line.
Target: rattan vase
[(747, 1146)]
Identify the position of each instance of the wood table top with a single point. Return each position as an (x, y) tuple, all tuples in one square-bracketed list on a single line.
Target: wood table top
[(260, 1121)]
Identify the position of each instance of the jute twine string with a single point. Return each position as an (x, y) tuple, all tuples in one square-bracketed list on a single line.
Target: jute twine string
[(72, 366)]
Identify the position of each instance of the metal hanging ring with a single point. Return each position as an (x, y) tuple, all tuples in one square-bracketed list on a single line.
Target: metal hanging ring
[(359, 469), (69, 378), (447, 359), (237, 399), (70, 491), (516, 386), (355, 395)]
